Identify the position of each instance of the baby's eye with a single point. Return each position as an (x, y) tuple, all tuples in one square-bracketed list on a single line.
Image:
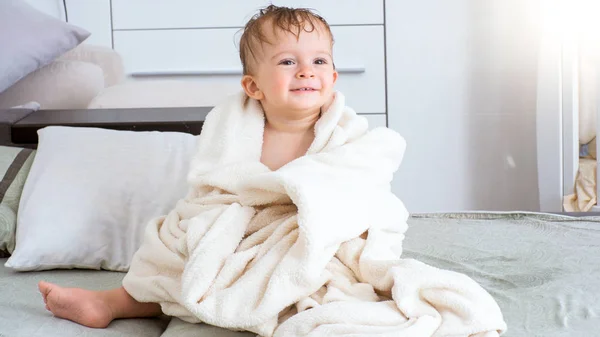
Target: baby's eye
[(320, 61), (286, 62)]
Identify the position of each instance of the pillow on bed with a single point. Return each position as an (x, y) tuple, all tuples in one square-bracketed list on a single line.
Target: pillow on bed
[(91, 193), (15, 163), (31, 39)]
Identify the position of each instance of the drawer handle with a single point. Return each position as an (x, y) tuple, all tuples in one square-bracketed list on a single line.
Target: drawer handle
[(225, 71)]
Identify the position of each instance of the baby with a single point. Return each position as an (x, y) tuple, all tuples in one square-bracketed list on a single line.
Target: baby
[(288, 67)]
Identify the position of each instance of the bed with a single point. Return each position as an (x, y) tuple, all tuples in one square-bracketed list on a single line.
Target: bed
[(541, 268)]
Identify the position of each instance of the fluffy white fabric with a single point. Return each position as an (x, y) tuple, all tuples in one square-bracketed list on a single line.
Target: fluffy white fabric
[(310, 249)]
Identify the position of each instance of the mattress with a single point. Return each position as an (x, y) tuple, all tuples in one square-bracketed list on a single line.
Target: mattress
[(542, 269)]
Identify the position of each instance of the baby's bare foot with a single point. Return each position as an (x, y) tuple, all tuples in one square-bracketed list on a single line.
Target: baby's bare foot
[(78, 305)]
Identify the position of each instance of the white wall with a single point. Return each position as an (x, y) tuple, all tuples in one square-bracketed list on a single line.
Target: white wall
[(92, 15), (50, 7), (462, 91)]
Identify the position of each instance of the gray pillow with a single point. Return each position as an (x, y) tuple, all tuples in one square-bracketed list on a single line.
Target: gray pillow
[(31, 39)]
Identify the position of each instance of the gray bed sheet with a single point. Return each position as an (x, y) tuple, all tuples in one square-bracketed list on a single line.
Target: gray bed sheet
[(22, 311), (543, 270)]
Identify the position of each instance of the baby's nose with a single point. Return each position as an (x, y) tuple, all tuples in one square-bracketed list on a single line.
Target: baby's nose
[(305, 72)]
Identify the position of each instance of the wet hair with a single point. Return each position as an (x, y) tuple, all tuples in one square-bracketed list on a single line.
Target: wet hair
[(282, 19)]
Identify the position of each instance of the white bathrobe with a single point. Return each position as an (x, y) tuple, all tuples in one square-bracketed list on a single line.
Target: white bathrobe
[(311, 249)]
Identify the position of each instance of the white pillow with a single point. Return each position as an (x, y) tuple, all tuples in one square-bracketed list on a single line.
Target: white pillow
[(91, 192), (59, 85)]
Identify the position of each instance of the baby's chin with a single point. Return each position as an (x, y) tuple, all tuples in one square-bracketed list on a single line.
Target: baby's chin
[(313, 106), (316, 101)]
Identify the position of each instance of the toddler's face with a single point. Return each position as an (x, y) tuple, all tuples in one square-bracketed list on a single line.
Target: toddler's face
[(296, 75)]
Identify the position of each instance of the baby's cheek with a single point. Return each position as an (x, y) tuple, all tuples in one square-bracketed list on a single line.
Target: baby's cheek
[(281, 84)]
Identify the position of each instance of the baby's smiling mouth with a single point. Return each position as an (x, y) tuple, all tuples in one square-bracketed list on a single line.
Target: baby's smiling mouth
[(304, 89)]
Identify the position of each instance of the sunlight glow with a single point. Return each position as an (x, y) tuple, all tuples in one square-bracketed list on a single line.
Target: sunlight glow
[(573, 21)]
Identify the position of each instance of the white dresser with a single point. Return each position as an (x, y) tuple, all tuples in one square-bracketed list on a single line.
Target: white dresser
[(457, 79), (198, 41)]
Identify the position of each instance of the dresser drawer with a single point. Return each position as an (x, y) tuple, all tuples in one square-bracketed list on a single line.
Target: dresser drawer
[(160, 14), (211, 55), (93, 16)]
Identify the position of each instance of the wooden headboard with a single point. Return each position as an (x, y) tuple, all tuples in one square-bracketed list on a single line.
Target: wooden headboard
[(18, 127)]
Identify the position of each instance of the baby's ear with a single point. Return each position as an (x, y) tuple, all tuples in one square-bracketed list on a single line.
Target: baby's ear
[(251, 88)]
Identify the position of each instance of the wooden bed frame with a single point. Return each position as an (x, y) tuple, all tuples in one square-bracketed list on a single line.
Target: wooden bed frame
[(18, 127)]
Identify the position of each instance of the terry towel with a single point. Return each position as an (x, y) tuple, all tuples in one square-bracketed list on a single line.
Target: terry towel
[(311, 249)]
